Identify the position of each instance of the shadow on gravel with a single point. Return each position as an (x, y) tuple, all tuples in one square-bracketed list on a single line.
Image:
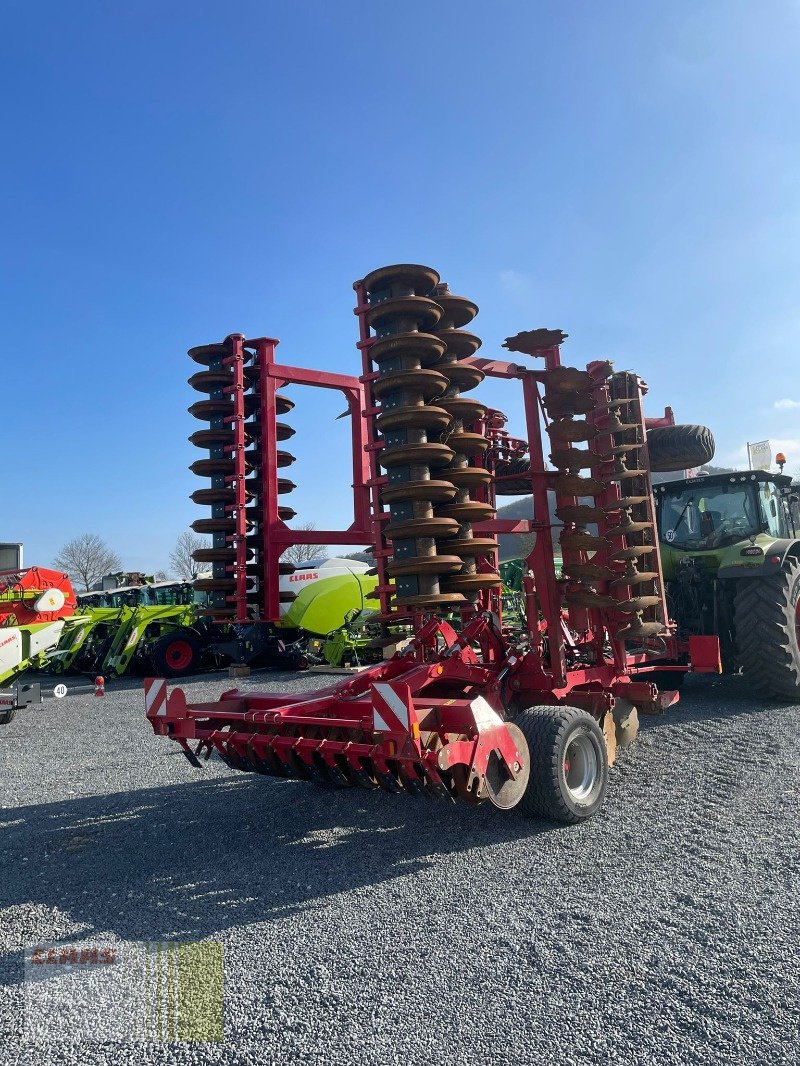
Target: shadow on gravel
[(191, 860), (713, 698)]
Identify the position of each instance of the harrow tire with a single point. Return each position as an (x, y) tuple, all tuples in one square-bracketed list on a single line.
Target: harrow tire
[(569, 764), (176, 654), (679, 447), (767, 619), (522, 487)]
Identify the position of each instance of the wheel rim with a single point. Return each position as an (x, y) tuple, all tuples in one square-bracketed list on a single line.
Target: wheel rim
[(581, 767), (179, 654)]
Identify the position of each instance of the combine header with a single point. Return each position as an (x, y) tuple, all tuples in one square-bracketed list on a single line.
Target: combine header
[(526, 714), (34, 604)]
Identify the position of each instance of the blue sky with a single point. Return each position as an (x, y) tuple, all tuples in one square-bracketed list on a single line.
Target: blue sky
[(176, 172)]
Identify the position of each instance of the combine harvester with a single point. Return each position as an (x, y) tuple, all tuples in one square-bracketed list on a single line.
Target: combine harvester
[(528, 715), (35, 605)]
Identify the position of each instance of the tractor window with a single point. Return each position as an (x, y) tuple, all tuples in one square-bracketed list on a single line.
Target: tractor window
[(772, 510), (703, 517)]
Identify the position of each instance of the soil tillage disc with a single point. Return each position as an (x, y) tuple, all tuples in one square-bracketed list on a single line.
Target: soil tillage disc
[(418, 309), (632, 576), (574, 459), (424, 349), (222, 408), (206, 354), (587, 572), (463, 375), (212, 380), (217, 555), (568, 430), (580, 514), (428, 384), (461, 345), (624, 503), (457, 311), (467, 546), (638, 630), (631, 552), (637, 603), (582, 541), (534, 341), (577, 403), (411, 277), (588, 597), (566, 381), (503, 790), (215, 525), (575, 485)]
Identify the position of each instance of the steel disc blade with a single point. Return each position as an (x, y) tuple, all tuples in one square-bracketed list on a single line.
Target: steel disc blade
[(503, 790)]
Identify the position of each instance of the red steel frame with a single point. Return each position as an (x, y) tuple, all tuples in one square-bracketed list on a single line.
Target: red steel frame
[(277, 536), (455, 687)]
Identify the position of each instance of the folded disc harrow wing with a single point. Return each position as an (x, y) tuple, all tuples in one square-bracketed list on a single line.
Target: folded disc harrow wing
[(524, 713)]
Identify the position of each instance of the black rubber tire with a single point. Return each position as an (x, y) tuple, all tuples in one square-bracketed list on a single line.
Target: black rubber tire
[(548, 732), (765, 616), (7, 715), (679, 447), (515, 488), (160, 658)]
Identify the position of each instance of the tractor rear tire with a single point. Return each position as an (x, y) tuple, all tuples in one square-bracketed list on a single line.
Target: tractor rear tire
[(176, 654), (569, 764), (767, 619), (679, 447)]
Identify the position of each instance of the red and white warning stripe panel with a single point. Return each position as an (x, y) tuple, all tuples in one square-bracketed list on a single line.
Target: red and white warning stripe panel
[(390, 712), (155, 696)]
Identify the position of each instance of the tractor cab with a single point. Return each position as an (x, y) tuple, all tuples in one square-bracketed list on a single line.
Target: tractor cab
[(745, 510)]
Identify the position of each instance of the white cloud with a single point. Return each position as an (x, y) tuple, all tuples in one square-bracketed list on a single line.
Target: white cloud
[(514, 282), (786, 405)]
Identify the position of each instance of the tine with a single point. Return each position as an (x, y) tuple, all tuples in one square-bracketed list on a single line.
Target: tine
[(305, 770), (334, 773), (436, 783), (235, 760), (285, 766), (360, 775), (386, 779), (271, 763), (190, 755), (411, 780)]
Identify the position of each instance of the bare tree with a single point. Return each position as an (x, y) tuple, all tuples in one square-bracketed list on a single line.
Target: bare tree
[(86, 559), (304, 553), (182, 554)]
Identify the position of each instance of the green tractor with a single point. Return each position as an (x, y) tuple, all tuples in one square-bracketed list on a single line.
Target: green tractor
[(155, 626), (731, 562)]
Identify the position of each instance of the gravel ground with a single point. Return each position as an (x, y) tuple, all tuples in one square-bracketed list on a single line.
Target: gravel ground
[(365, 928)]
